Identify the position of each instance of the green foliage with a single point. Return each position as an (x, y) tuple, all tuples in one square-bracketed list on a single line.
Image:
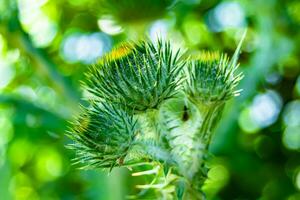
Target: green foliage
[(142, 113), (131, 11)]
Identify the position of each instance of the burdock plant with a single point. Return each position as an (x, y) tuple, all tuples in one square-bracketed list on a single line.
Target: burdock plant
[(153, 110)]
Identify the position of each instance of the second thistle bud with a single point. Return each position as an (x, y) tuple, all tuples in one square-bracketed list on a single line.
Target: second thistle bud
[(211, 78)]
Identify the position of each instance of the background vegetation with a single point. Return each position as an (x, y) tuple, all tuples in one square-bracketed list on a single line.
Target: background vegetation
[(47, 45)]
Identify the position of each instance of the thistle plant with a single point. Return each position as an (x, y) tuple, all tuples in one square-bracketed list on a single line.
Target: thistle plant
[(153, 110)]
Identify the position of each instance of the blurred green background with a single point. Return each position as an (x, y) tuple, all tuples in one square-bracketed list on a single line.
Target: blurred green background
[(47, 45)]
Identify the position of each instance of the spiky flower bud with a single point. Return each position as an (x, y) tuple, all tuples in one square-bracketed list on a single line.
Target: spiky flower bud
[(102, 136), (211, 78), (138, 75)]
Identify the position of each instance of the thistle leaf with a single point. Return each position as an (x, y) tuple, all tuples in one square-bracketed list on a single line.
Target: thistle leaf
[(235, 56)]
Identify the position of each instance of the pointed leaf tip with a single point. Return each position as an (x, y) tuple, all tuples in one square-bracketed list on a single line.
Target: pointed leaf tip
[(235, 56)]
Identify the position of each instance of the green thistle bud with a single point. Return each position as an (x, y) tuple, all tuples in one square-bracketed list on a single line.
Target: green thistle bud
[(211, 78), (140, 75), (102, 136)]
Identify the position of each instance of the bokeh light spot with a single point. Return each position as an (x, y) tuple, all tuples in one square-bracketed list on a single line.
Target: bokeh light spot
[(266, 108), (226, 15), (46, 96), (262, 112), (20, 151), (48, 165), (159, 29), (26, 92), (6, 74), (291, 137), (247, 123), (84, 47), (108, 25), (195, 31), (21, 187), (291, 114), (40, 27)]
